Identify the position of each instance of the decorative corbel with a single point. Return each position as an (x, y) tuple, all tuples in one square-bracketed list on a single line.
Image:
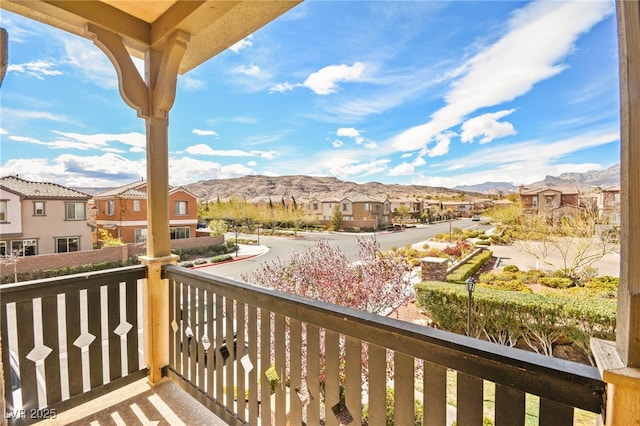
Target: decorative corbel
[(4, 53), (132, 87), (164, 90)]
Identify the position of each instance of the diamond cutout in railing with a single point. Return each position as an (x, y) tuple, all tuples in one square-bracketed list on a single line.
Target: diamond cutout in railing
[(123, 328), (84, 340), (174, 326), (39, 353)]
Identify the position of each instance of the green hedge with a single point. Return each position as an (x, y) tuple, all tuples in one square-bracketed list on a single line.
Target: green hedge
[(58, 272), (506, 317), (470, 267)]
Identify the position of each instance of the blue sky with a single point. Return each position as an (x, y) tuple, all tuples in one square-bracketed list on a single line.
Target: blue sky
[(418, 92)]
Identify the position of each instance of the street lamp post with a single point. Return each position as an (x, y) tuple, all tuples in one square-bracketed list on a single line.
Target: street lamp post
[(471, 286), (237, 247)]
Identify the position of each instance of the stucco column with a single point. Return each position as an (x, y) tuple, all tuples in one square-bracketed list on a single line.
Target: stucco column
[(619, 363), (152, 98)]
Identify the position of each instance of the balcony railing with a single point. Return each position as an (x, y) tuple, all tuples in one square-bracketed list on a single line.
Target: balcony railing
[(70, 339), (228, 339)]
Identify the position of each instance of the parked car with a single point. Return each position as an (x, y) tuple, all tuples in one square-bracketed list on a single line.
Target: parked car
[(475, 218)]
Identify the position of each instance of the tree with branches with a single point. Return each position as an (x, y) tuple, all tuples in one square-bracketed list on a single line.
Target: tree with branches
[(376, 283), (569, 245)]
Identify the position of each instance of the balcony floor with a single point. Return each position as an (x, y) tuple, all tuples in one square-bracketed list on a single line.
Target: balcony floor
[(140, 403)]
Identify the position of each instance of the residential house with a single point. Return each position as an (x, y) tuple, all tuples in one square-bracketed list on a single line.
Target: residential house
[(414, 205), (42, 218), (123, 212), (548, 199), (608, 204), (313, 209)]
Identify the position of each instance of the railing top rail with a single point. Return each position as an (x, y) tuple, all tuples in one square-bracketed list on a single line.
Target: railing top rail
[(563, 381), (55, 285)]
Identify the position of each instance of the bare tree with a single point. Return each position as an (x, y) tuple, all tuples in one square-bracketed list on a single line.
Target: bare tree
[(569, 245)]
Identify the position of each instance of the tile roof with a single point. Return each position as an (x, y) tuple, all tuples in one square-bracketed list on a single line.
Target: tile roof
[(31, 189), (129, 190)]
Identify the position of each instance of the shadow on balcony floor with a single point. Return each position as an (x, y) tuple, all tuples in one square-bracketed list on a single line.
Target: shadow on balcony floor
[(140, 403)]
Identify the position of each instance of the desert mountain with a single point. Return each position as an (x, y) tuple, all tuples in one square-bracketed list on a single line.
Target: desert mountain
[(305, 188), (583, 181)]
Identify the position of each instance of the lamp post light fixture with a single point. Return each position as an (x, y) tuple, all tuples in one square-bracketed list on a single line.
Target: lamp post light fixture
[(471, 286)]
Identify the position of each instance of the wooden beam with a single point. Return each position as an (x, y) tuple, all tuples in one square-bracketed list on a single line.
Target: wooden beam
[(628, 322)]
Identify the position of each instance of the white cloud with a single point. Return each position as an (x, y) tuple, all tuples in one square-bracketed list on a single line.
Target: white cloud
[(200, 132), (337, 143), (10, 114), (418, 162), (487, 127), (323, 82), (242, 44), (538, 37), (187, 170), (402, 169), (83, 142), (202, 149), (354, 133), (90, 62), (187, 82), (282, 87), (38, 69), (105, 170), (348, 131), (251, 163), (441, 142), (536, 152), (345, 167), (252, 70), (3, 131)]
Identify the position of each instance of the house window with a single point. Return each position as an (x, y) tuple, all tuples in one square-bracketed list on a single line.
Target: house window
[(367, 207), (180, 233), (136, 205), (3, 248), (549, 201), (180, 207), (38, 208), (3, 211), (140, 235), (67, 244), (535, 202), (315, 206), (109, 207), (344, 207), (24, 248), (75, 211)]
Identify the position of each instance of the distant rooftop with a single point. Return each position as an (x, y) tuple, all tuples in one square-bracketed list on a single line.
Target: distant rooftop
[(29, 189)]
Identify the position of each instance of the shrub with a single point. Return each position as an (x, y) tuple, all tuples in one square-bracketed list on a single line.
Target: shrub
[(390, 421), (555, 282), (187, 264), (470, 267), (273, 378), (483, 243), (200, 262), (510, 268), (220, 258), (506, 316)]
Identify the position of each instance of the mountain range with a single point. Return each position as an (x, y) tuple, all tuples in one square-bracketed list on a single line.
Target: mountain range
[(307, 187), (583, 181)]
